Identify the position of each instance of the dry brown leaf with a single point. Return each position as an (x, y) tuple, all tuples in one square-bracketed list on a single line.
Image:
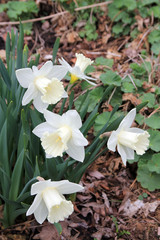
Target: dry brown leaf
[(2, 54), (98, 235), (131, 208), (106, 202), (103, 232), (133, 98), (85, 211), (84, 198), (96, 174), (73, 37), (48, 232), (140, 21), (3, 237)]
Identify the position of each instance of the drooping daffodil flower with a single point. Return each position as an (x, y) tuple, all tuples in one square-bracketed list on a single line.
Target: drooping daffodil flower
[(43, 85), (77, 72), (127, 139), (49, 201), (61, 133)]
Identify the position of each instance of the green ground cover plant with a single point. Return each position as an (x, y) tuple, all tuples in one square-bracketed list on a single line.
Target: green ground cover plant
[(20, 10)]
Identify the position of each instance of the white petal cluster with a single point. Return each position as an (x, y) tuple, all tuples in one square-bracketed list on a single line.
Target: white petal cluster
[(49, 201), (61, 133), (43, 86), (77, 72), (128, 139)]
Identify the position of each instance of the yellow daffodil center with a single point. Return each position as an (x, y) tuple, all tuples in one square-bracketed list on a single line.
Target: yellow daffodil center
[(74, 78), (56, 143)]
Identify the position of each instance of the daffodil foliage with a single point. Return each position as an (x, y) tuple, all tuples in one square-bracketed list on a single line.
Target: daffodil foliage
[(36, 140)]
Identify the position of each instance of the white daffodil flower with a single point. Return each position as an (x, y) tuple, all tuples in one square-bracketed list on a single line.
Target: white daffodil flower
[(77, 72), (61, 133), (128, 139), (49, 201), (44, 85)]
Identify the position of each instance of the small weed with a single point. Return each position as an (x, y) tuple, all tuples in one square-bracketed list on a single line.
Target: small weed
[(119, 233)]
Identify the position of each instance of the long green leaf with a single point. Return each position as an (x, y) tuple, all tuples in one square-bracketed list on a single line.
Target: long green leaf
[(8, 48), (16, 177), (4, 149), (20, 47), (55, 49), (5, 75), (51, 168), (33, 180)]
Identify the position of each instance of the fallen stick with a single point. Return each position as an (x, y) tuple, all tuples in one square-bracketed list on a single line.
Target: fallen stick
[(55, 14)]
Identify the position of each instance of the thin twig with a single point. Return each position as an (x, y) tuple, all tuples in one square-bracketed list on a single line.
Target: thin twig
[(155, 111), (144, 35), (34, 19), (111, 95), (93, 5), (132, 81), (133, 183), (55, 15), (123, 43)]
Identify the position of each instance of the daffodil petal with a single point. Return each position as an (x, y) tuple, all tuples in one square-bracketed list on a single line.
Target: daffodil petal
[(72, 118), (39, 105), (69, 188), (135, 130), (52, 118), (94, 84), (129, 152), (46, 69), (24, 76), (39, 186), (42, 128), (78, 138), (65, 95), (75, 152), (29, 95), (41, 212), (112, 141), (122, 153), (35, 71), (85, 77), (35, 204), (128, 119), (65, 64), (58, 72)]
